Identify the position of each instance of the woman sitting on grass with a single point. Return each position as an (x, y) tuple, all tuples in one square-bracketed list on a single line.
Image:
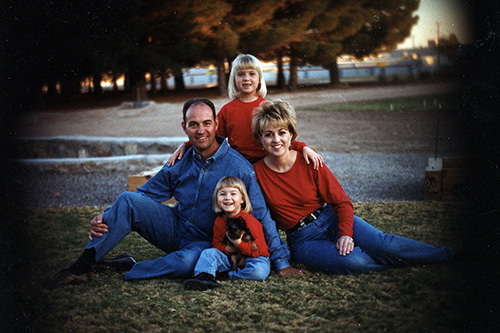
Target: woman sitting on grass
[(310, 205), (231, 201)]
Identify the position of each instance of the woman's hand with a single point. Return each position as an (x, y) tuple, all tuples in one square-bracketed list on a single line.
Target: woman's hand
[(345, 245), (177, 155), (236, 241), (97, 227), (311, 155)]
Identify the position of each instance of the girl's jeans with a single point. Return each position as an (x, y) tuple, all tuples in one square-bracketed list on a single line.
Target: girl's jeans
[(213, 260)]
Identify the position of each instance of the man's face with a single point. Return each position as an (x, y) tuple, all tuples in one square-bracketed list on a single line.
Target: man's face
[(200, 127)]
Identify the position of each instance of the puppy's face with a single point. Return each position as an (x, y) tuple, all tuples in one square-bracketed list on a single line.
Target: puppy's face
[(235, 227)]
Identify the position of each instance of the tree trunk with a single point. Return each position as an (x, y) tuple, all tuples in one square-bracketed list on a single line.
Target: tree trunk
[(70, 87), (139, 93), (32, 97), (96, 81), (280, 82), (127, 86), (115, 83), (221, 78), (333, 68), (164, 83), (293, 81), (152, 84), (179, 80), (51, 90)]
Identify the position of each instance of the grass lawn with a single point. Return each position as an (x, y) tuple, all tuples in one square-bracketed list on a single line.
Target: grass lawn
[(431, 298)]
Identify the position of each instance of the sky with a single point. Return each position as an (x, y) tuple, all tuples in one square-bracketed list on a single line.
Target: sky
[(453, 17)]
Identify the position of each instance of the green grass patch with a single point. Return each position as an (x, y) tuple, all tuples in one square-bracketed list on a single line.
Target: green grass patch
[(419, 103), (408, 299)]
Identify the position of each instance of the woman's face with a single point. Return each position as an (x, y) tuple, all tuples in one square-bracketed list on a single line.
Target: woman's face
[(247, 81), (276, 139)]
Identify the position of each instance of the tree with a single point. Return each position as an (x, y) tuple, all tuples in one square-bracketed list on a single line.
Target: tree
[(232, 33), (331, 27), (62, 43), (316, 32), (450, 48), (292, 22), (391, 22)]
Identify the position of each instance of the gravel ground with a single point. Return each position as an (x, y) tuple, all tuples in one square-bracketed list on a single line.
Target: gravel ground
[(364, 177)]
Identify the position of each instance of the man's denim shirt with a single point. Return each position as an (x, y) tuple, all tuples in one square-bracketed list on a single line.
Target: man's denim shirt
[(192, 184)]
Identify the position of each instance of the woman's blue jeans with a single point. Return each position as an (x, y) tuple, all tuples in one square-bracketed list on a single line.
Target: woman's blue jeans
[(213, 260), (161, 227), (314, 246)]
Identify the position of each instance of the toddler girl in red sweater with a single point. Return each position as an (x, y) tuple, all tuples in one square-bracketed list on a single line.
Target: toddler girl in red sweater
[(230, 200)]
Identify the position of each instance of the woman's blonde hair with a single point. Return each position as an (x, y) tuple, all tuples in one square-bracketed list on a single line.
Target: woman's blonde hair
[(232, 181), (277, 113), (246, 61)]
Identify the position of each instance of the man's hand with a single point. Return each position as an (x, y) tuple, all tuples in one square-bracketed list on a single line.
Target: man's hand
[(97, 227), (291, 271)]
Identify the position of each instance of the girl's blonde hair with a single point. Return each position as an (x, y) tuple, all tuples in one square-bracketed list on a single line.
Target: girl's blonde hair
[(278, 113), (231, 181), (246, 61)]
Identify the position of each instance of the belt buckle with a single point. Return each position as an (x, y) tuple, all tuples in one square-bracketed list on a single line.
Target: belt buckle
[(303, 223)]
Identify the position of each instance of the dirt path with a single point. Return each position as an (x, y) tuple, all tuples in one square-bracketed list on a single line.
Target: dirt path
[(353, 131)]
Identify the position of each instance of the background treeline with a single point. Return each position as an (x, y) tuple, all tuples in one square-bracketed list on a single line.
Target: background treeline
[(59, 43)]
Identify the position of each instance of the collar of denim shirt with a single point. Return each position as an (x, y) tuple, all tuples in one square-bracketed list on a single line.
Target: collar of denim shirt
[(224, 146)]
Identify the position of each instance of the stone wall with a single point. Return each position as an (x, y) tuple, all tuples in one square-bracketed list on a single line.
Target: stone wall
[(88, 147)]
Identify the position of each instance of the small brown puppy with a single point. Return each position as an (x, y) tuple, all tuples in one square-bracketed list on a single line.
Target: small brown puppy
[(235, 228)]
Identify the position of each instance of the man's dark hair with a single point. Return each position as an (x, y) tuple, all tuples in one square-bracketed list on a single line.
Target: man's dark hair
[(197, 100)]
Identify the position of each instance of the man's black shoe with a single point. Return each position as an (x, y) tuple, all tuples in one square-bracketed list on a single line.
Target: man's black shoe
[(202, 281), (121, 263)]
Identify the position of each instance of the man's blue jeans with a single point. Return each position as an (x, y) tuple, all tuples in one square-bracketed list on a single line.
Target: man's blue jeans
[(314, 246), (160, 226), (213, 260)]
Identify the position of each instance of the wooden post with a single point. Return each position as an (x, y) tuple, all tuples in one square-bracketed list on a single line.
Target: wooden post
[(446, 178), (137, 180)]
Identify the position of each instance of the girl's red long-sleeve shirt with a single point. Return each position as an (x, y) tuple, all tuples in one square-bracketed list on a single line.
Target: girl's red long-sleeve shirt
[(220, 240), (300, 191), (235, 124)]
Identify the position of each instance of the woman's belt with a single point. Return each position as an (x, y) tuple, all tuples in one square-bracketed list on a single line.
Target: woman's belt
[(307, 219)]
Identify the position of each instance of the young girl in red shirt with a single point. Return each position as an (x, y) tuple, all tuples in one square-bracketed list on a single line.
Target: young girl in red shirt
[(248, 90), (230, 200)]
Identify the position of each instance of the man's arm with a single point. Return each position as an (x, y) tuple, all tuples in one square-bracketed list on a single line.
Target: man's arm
[(159, 187), (277, 247)]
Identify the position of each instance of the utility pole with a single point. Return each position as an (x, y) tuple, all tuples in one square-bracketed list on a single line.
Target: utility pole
[(437, 48)]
